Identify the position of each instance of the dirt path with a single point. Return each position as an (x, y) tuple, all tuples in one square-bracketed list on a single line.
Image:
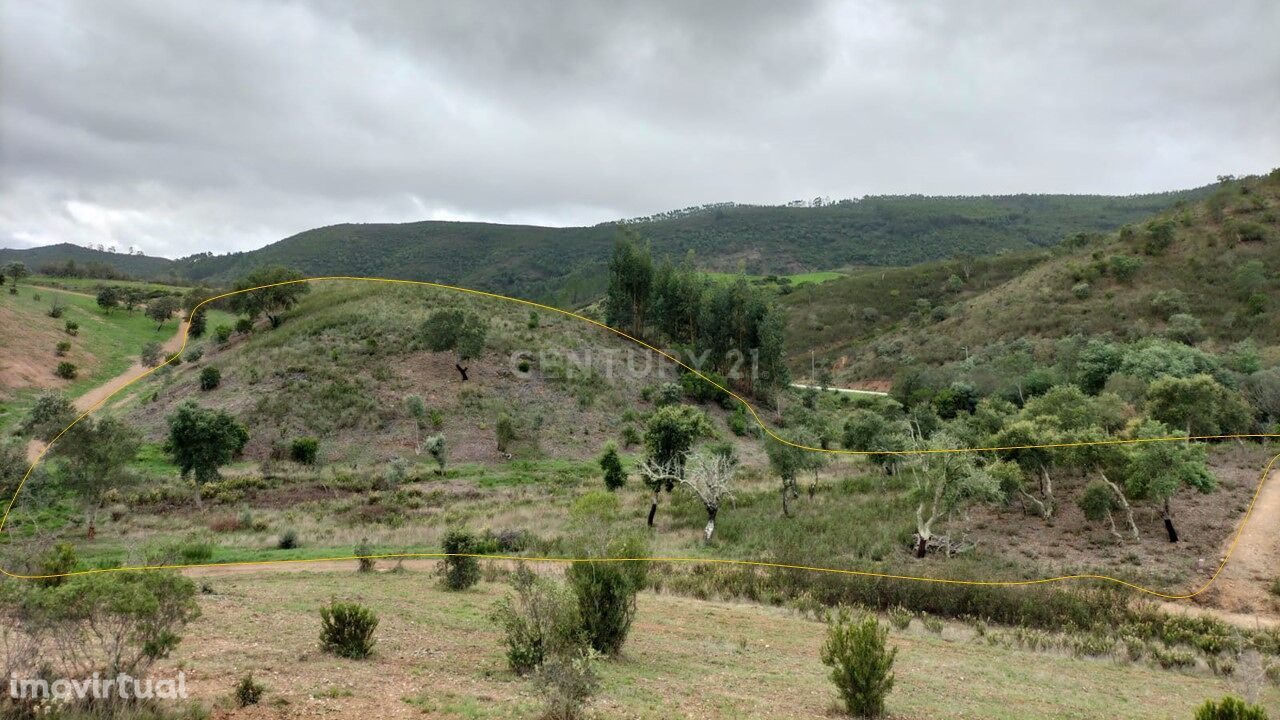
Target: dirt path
[(114, 385), (1245, 583)]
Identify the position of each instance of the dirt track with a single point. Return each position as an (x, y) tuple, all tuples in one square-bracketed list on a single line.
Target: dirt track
[(112, 386)]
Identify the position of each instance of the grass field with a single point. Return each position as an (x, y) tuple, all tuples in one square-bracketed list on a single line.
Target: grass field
[(92, 285), (105, 345), (809, 278), (438, 655)]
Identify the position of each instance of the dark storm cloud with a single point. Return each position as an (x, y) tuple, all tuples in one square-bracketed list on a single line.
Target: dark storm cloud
[(185, 126)]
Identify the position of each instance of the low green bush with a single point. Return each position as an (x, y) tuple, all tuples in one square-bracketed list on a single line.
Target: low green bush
[(860, 661), (248, 691), (459, 571), (538, 621), (210, 378), (346, 629), (1230, 708), (304, 450)]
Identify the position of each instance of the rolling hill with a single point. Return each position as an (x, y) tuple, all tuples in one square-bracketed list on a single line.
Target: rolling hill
[(565, 263), (1210, 264)]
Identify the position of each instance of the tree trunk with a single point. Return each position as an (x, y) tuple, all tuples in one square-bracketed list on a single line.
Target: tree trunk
[(91, 516), (1124, 503), (711, 524), (1168, 523), (786, 509), (922, 544), (461, 371), (199, 500), (653, 508)]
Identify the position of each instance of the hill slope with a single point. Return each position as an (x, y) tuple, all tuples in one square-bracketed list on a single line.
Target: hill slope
[(1213, 260), (565, 263)]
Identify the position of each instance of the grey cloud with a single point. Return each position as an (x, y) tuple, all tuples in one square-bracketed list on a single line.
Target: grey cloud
[(186, 126)]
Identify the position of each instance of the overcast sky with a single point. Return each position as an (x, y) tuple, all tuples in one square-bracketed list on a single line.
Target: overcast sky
[(188, 126)]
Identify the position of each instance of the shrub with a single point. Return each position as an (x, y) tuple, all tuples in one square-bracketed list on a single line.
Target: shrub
[(533, 320), (630, 436), (566, 682), (606, 591), (244, 326), (861, 665), (900, 617), (1081, 290), (737, 421), (1124, 267), (439, 451), (668, 394), (303, 450), (1184, 328), (1172, 658), (248, 692), (150, 354), (222, 334), (63, 347), (611, 465), (505, 432), (71, 327), (540, 620), (66, 370), (56, 562), (56, 310), (195, 353), (288, 540), (459, 570), (1230, 708), (210, 378), (346, 629), (363, 551), (931, 623)]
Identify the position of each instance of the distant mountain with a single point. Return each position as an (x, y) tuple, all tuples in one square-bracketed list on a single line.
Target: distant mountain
[(140, 266), (566, 264)]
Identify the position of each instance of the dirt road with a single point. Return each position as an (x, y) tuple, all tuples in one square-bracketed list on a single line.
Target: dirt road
[(114, 385)]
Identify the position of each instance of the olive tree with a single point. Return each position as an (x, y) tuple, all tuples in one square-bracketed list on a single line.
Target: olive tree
[(201, 441), (869, 431), (269, 291), (161, 309), (96, 455), (1155, 471), (453, 329), (943, 482), (668, 437)]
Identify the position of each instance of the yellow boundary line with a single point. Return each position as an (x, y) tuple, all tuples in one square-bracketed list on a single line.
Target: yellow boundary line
[(723, 561)]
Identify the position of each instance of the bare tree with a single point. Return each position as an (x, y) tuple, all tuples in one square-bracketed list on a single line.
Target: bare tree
[(710, 476)]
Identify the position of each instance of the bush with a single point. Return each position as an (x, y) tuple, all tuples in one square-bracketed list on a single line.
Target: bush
[(288, 540), (539, 621), (71, 327), (195, 353), (566, 683), (210, 378), (438, 450), (611, 465), (1230, 708), (668, 394), (861, 665), (900, 617), (150, 354), (460, 571), (222, 334), (363, 551), (505, 432), (63, 347), (248, 692), (66, 371), (303, 450), (57, 310), (244, 326), (346, 629), (606, 592), (1081, 290)]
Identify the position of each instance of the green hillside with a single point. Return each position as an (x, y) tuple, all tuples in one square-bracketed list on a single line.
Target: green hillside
[(138, 266), (1203, 273), (565, 263)]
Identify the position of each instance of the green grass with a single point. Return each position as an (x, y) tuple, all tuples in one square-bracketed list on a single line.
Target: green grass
[(112, 340), (809, 278), (92, 285)]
